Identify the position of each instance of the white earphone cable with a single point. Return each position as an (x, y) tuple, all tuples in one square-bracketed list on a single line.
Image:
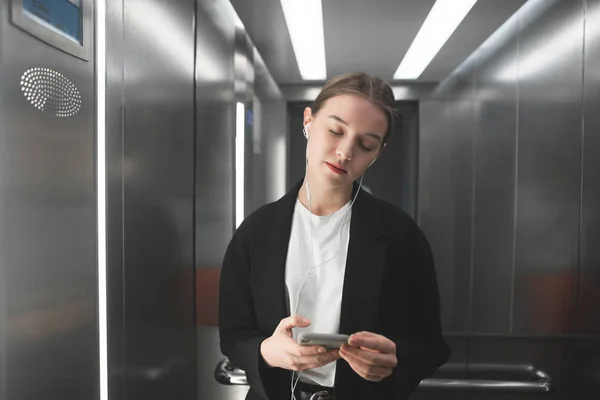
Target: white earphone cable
[(311, 266)]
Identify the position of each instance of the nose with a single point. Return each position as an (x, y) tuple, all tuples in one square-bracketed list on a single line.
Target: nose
[(344, 150)]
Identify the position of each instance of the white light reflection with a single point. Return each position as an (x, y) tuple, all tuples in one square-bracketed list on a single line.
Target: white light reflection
[(162, 30), (556, 47), (240, 125)]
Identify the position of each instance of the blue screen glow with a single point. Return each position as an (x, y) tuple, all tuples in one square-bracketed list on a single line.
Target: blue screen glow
[(63, 16)]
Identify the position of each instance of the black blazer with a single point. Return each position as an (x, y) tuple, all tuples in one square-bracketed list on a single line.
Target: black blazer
[(390, 288)]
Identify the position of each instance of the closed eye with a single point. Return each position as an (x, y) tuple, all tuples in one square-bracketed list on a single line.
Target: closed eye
[(362, 146), (365, 147)]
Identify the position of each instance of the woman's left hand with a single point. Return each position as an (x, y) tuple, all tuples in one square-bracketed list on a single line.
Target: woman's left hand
[(370, 355)]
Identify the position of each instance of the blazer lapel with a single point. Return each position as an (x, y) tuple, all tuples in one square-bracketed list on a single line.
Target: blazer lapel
[(270, 258), (364, 268)]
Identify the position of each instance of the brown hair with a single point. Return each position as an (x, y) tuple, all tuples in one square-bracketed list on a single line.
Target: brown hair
[(372, 88)]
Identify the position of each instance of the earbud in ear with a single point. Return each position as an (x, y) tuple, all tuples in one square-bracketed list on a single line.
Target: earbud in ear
[(305, 130)]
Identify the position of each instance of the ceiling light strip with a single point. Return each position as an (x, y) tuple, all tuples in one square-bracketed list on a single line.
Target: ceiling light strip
[(443, 19), (305, 24)]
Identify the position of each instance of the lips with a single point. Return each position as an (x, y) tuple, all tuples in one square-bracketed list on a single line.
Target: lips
[(336, 168)]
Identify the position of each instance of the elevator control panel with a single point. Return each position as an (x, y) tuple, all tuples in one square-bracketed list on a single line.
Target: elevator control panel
[(64, 24)]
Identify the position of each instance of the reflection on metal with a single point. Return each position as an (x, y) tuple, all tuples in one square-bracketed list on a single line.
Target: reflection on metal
[(150, 373), (227, 374), (487, 385), (540, 382)]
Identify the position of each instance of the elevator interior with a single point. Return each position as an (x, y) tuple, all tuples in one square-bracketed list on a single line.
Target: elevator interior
[(496, 159)]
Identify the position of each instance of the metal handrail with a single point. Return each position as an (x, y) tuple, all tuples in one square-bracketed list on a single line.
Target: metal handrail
[(227, 374)]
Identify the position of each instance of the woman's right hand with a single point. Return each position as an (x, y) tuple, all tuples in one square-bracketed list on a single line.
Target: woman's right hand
[(281, 350)]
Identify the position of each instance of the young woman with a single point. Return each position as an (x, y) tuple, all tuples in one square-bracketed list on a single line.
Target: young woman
[(330, 258)]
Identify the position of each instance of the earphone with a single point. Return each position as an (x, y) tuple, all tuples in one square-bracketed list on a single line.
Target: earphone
[(305, 131)]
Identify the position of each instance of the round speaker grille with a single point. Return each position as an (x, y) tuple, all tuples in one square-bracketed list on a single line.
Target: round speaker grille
[(51, 91)]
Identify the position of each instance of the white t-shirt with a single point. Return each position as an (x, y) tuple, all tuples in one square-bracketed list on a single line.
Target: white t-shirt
[(321, 297)]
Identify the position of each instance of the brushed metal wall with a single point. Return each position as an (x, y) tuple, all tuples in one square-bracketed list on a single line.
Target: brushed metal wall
[(243, 77), (215, 180), (171, 115), (48, 233), (508, 196), (495, 156), (150, 157), (589, 259), (548, 175)]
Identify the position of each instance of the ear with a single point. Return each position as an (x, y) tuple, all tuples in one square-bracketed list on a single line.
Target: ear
[(308, 117)]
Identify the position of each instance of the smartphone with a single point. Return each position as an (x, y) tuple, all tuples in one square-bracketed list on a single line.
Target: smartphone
[(327, 340)]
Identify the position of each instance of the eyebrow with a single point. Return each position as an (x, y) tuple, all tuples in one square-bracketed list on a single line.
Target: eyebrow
[(338, 119)]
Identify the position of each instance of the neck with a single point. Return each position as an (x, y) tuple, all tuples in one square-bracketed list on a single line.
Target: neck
[(324, 200)]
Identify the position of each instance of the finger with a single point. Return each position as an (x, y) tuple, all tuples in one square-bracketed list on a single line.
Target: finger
[(370, 373), (315, 361), (308, 350), (293, 321), (371, 358), (372, 341)]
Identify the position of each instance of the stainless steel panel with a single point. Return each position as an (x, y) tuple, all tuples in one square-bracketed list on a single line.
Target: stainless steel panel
[(158, 200), (274, 149), (215, 143), (549, 169), (268, 139), (445, 197), (114, 199), (214, 180), (589, 267), (587, 350), (393, 177), (48, 239), (528, 107), (494, 186)]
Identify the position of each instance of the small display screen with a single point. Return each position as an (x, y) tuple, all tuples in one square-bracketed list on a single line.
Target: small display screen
[(62, 16)]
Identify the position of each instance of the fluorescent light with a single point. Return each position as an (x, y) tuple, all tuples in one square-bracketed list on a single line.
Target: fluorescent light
[(101, 189), (305, 23), (240, 123), (442, 21)]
